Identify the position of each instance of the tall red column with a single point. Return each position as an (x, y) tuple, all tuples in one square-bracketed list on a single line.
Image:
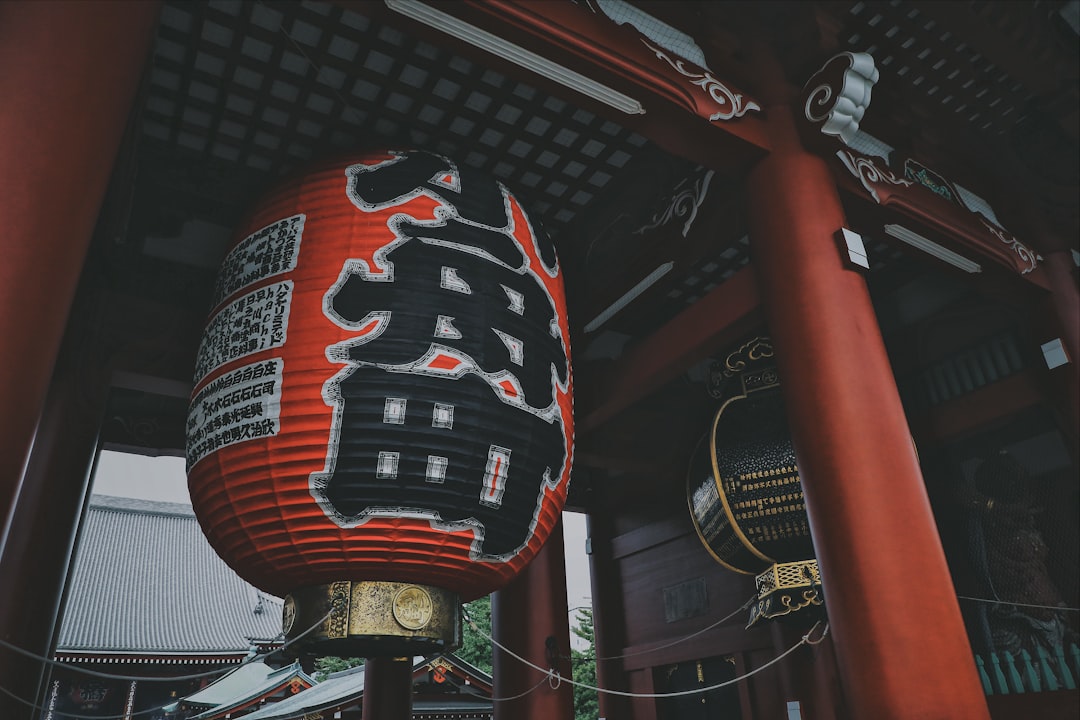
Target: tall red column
[(40, 536), (529, 616), (899, 637), (387, 689), (69, 73), (609, 638)]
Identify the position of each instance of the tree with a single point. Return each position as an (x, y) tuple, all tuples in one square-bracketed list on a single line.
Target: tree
[(330, 664), (475, 648), (586, 702)]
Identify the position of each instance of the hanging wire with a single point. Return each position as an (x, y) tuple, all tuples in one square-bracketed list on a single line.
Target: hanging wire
[(552, 673), (719, 622), (35, 706), (545, 679), (144, 678), (1062, 608), (107, 676)]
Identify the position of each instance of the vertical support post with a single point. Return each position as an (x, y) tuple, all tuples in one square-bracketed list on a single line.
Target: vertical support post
[(388, 688), (1061, 270), (1060, 311), (529, 616), (40, 534), (608, 617), (883, 568), (70, 72)]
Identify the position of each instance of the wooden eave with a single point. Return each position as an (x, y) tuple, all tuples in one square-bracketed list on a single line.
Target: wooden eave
[(677, 104)]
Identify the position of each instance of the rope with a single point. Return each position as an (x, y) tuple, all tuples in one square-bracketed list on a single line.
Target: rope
[(806, 640), (1062, 608), (719, 622), (143, 678), (545, 679)]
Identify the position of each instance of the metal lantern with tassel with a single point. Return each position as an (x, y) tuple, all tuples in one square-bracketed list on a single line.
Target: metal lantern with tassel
[(743, 486)]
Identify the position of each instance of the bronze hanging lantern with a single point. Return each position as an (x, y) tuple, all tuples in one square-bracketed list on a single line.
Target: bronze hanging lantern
[(743, 486)]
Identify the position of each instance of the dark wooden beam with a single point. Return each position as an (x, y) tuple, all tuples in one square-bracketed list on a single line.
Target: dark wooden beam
[(979, 410), (677, 111), (719, 319)]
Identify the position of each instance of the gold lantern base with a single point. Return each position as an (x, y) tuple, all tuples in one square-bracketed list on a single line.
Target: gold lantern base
[(786, 588), (372, 619)]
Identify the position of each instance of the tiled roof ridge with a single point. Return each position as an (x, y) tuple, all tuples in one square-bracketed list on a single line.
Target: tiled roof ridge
[(136, 505), (347, 671)]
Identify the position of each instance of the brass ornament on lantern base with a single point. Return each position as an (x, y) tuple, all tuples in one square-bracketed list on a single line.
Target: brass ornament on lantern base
[(373, 619), (786, 588)]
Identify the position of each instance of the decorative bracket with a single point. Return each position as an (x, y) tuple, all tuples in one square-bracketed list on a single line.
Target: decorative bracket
[(685, 202), (835, 98), (726, 103)]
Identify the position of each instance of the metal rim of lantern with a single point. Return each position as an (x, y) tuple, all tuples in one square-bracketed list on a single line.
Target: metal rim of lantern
[(377, 599), (733, 524)]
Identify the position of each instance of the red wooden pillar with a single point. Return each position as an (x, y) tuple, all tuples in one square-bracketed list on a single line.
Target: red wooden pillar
[(387, 689), (529, 616), (69, 73), (609, 638), (40, 535), (899, 637)]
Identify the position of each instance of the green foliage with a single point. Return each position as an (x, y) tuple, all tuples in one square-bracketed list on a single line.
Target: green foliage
[(475, 648), (326, 665), (586, 702)]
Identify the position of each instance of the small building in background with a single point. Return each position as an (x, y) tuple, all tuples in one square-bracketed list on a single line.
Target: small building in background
[(148, 597)]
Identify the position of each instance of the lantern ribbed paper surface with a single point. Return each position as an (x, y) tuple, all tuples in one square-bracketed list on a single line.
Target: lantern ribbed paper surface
[(383, 389)]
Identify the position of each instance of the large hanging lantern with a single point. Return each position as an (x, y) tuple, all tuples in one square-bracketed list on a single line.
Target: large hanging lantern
[(744, 489), (381, 424)]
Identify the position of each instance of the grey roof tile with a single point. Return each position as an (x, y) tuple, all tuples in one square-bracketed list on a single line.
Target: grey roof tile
[(146, 580), (347, 686), (243, 686)]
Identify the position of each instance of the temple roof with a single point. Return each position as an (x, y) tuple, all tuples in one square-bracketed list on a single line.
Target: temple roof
[(345, 688), (338, 688), (146, 582), (243, 686)]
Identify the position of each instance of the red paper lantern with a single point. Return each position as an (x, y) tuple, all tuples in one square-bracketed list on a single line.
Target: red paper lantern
[(383, 389)]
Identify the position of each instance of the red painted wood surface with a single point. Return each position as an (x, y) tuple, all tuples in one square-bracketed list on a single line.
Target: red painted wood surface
[(524, 615), (70, 71), (870, 517), (388, 686)]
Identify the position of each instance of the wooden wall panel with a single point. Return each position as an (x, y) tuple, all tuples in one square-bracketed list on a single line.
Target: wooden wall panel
[(665, 555), (666, 552)]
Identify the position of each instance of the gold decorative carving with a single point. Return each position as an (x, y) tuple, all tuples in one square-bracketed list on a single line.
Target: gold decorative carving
[(371, 618), (412, 608), (337, 625), (752, 351), (288, 615), (786, 588)]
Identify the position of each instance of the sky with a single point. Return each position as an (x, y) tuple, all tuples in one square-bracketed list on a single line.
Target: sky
[(163, 479)]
